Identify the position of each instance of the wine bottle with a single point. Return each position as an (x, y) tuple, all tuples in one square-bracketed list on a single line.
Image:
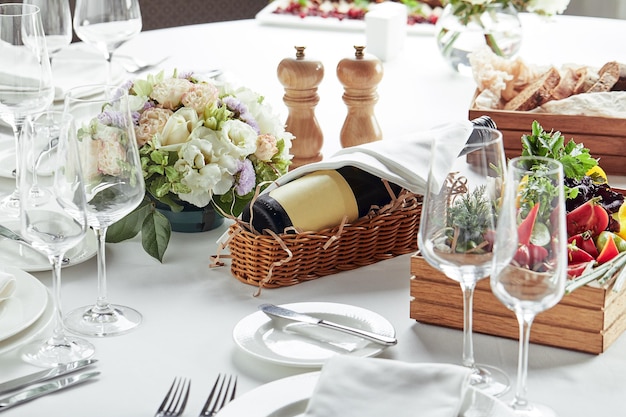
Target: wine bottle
[(322, 199)]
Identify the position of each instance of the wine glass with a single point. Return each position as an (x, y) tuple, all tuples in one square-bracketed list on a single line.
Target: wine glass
[(25, 77), (107, 25), (457, 227), (114, 187), (56, 18), (54, 224), (530, 255)]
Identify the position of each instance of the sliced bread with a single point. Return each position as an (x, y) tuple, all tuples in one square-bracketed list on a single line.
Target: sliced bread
[(536, 93)]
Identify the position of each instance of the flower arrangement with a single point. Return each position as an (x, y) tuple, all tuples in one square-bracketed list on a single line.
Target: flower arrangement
[(467, 10), (482, 15), (200, 143)]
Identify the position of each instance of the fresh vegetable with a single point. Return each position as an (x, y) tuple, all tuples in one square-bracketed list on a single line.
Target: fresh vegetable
[(525, 229), (585, 242), (608, 252), (577, 269), (576, 255), (604, 237), (575, 158), (587, 217)]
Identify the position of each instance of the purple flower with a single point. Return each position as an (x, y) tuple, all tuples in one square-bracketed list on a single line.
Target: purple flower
[(244, 177), (112, 118), (241, 112)]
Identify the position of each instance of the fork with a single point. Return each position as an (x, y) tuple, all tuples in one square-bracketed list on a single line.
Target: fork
[(212, 406), (133, 65), (172, 406)]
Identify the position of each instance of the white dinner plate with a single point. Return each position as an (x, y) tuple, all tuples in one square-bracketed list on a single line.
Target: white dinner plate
[(289, 397), (33, 331), (267, 17), (27, 259), (306, 345), (26, 305)]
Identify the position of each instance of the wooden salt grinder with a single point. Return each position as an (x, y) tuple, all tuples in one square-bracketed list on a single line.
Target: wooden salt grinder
[(301, 77), (360, 77)]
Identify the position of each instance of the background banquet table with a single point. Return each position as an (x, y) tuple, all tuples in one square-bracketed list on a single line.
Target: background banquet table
[(190, 309)]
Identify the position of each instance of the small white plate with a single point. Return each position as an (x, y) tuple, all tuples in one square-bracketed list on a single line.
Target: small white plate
[(267, 17), (33, 331), (289, 397), (306, 345), (26, 305), (27, 259)]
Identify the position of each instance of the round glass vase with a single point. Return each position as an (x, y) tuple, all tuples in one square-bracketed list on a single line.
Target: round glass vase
[(191, 219), (498, 27)]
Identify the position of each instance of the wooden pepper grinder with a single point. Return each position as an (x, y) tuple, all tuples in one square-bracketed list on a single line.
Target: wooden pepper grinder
[(301, 77), (360, 77)]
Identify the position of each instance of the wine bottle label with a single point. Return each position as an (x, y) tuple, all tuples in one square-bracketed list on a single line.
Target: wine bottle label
[(330, 194)]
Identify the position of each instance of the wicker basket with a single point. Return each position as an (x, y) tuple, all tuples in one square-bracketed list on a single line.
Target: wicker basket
[(271, 261)]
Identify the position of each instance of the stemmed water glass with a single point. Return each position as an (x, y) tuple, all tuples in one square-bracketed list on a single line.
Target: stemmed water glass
[(457, 227), (25, 77), (53, 217), (114, 187), (530, 255), (56, 18), (107, 25)]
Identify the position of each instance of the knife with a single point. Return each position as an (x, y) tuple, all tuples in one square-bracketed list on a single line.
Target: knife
[(10, 234), (44, 389), (284, 313), (41, 376)]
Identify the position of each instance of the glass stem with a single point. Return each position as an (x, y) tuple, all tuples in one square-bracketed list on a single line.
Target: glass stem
[(102, 305), (468, 344), (17, 126), (58, 332), (525, 321)]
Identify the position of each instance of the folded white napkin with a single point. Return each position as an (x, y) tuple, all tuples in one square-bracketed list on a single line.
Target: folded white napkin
[(7, 285), (351, 386), (79, 66), (403, 161)]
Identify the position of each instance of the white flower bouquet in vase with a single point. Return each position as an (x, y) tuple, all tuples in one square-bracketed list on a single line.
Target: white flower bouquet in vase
[(203, 146)]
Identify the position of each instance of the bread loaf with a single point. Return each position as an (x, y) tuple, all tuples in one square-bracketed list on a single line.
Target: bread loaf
[(586, 78), (567, 85), (536, 93), (620, 85), (608, 77)]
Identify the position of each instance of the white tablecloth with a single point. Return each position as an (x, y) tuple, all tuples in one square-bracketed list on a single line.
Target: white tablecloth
[(190, 310)]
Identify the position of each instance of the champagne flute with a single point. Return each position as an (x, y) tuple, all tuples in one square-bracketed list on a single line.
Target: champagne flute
[(114, 187), (56, 18), (457, 227), (530, 260), (107, 25), (54, 224), (25, 77)]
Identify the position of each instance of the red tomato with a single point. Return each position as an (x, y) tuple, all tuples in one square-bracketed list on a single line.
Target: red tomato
[(585, 242), (600, 220), (576, 255), (575, 270)]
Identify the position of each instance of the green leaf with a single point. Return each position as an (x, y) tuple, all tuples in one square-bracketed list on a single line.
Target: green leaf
[(129, 226), (155, 235)]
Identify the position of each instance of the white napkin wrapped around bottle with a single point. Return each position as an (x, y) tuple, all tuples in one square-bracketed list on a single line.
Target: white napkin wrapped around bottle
[(403, 160), (373, 387), (7, 285)]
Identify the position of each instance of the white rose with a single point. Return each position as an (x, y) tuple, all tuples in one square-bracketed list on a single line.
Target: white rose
[(170, 91), (241, 136), (205, 171), (179, 127)]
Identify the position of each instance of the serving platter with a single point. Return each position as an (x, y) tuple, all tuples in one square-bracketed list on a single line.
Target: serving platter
[(267, 16)]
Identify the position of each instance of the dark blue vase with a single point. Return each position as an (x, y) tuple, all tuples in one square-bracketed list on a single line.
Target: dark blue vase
[(191, 219)]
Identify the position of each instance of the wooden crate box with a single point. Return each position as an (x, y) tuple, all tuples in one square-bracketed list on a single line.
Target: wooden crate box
[(604, 136), (589, 319)]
